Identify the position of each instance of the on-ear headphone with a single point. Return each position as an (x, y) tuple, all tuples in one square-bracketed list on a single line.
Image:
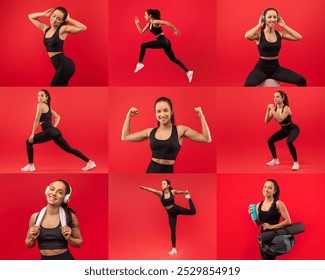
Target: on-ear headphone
[(66, 197), (270, 9)]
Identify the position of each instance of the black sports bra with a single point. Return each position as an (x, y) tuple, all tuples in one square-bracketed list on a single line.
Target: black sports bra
[(169, 201), (287, 120), (54, 43), (46, 117), (269, 49), (155, 30)]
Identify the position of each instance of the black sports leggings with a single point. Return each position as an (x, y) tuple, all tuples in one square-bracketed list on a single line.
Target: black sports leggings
[(64, 256), (155, 167), (51, 133), (64, 69), (271, 69), (161, 43), (291, 131), (172, 217)]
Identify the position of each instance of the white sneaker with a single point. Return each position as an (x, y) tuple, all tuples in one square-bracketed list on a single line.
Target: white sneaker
[(188, 196), (173, 252), (274, 161), (90, 165), (29, 168), (295, 166), (138, 67), (189, 75)]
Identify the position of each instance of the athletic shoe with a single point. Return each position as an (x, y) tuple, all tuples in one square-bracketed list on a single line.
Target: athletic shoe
[(187, 196), (173, 252), (90, 165), (189, 75), (28, 168), (138, 67), (273, 162), (295, 166)]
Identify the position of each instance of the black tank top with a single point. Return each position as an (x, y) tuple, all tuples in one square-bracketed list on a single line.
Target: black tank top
[(287, 120), (51, 238), (272, 216), (165, 149), (54, 43), (155, 30), (46, 117), (269, 49), (169, 201)]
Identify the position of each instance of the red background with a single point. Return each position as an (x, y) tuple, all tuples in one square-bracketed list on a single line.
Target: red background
[(83, 123), (23, 195), (237, 56), (134, 157), (196, 47), (242, 138), (24, 60), (237, 234), (138, 224)]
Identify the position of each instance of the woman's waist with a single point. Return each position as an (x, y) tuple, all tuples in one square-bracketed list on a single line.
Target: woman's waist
[(163, 161), (269, 57), (53, 252), (52, 54)]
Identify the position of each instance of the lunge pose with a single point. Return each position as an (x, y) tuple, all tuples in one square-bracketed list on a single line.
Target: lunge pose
[(270, 211), (56, 225), (61, 24), (155, 26), (282, 114), (44, 114), (268, 42), (167, 138), (166, 196)]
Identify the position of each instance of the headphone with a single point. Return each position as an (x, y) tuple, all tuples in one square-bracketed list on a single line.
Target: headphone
[(66, 197), (270, 9)]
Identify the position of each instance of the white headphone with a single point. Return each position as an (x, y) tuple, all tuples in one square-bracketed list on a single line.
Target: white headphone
[(66, 197)]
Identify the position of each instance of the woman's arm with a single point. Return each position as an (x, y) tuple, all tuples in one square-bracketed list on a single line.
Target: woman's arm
[(167, 23), (159, 193), (284, 214), (180, 192), (193, 135), (137, 136), (32, 233), (72, 235), (34, 18), (75, 27), (253, 33), (280, 117), (268, 115), (258, 221), (290, 34), (56, 118), (36, 122), (140, 29)]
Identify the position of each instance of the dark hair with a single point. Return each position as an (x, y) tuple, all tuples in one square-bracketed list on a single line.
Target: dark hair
[(276, 195), (284, 96), (48, 97), (154, 13), (265, 12), (65, 206), (169, 102), (168, 183), (65, 14)]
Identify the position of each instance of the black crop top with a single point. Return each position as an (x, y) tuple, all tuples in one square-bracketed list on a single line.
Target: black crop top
[(269, 49), (272, 216), (155, 30), (165, 149), (54, 43), (169, 201), (51, 238), (287, 120), (46, 117)]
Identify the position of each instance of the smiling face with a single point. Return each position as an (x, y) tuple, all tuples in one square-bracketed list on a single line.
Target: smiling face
[(56, 193), (57, 18), (42, 97), (269, 189), (271, 18), (163, 112)]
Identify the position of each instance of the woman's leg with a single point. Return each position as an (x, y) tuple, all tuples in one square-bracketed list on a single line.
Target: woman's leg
[(172, 225), (169, 52), (157, 44), (288, 76), (65, 69), (279, 135), (293, 134)]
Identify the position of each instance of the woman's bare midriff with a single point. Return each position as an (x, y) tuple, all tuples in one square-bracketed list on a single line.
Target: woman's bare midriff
[(53, 252), (269, 57), (163, 161), (53, 53)]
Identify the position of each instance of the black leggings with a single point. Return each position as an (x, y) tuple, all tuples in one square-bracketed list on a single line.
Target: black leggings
[(64, 256), (291, 131), (271, 69), (51, 133), (172, 217), (161, 43), (64, 68), (155, 167)]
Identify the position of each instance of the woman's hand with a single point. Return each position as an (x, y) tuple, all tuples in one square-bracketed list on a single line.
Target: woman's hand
[(281, 22), (34, 232), (66, 232), (266, 226), (261, 22), (31, 139), (250, 210), (48, 12), (271, 106), (136, 20), (199, 112), (177, 33), (132, 112)]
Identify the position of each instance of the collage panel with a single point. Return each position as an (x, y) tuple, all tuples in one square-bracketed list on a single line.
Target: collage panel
[(141, 229), (188, 43), (24, 194), (133, 154), (237, 233), (81, 130), (237, 56), (25, 61), (243, 146)]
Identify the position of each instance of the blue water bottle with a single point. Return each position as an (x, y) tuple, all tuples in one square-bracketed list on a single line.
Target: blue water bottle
[(253, 214)]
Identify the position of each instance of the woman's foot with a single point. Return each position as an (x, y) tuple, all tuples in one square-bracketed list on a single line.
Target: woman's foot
[(274, 161), (29, 168), (90, 165), (295, 166), (189, 75), (173, 252), (138, 67)]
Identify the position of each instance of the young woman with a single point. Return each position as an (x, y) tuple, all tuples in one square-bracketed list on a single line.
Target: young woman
[(155, 26), (166, 196), (44, 114), (54, 37), (268, 41), (167, 138), (282, 114), (270, 211), (55, 226)]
